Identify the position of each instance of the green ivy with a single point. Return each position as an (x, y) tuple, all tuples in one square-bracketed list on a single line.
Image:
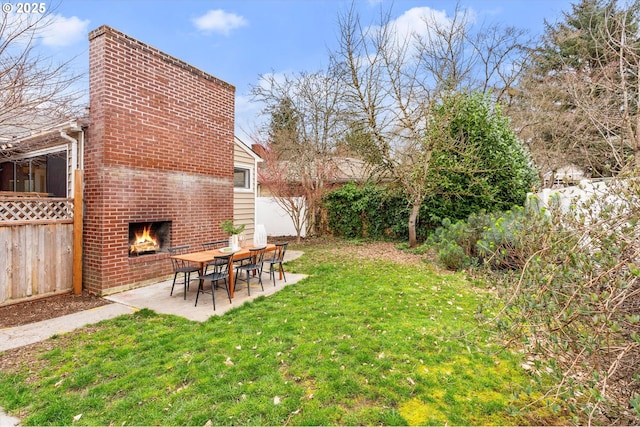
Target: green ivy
[(369, 211)]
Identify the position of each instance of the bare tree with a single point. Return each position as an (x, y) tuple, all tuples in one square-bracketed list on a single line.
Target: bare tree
[(275, 176), (36, 92), (608, 95), (302, 136)]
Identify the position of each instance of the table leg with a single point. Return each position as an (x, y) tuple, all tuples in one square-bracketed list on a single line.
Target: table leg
[(232, 285), (200, 282)]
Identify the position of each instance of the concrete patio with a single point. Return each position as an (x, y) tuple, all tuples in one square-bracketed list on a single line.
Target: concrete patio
[(157, 297)]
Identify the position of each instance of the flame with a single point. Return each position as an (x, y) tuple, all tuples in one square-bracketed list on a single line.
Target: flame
[(145, 237), (143, 241)]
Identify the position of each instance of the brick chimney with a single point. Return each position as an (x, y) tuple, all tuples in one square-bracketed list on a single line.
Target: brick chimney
[(159, 149)]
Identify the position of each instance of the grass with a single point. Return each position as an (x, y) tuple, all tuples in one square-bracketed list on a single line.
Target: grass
[(360, 342)]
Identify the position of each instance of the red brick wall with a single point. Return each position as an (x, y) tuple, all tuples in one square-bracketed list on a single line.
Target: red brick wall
[(159, 148)]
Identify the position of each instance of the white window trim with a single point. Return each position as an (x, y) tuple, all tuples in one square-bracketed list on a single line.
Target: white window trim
[(249, 169)]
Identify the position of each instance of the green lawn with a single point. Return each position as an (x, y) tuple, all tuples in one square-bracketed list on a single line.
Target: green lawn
[(360, 342)]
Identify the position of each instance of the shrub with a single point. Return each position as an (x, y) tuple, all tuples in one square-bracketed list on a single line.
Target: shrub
[(340, 205), (482, 238), (453, 257), (575, 300), (505, 243)]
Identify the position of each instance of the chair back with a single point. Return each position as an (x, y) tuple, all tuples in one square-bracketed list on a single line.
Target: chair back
[(281, 249), (224, 263), (214, 245), (257, 255), (178, 250)]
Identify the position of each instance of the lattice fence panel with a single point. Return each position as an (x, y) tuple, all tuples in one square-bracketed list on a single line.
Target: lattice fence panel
[(35, 209)]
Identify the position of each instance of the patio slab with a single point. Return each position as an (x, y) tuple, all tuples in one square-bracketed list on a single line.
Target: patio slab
[(156, 297)]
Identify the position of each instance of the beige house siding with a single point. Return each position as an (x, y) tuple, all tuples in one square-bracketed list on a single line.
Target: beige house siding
[(244, 199)]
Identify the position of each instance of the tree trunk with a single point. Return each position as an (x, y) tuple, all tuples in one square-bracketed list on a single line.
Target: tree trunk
[(413, 220)]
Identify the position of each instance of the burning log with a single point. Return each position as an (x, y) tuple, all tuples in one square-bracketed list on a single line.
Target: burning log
[(144, 242)]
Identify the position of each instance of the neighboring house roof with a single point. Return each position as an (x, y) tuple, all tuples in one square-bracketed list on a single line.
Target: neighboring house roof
[(347, 169), (567, 173), (350, 169)]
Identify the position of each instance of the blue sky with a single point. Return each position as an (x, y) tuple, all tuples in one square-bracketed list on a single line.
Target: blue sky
[(239, 40)]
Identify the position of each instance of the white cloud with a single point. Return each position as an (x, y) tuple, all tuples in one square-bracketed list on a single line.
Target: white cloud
[(219, 21), (413, 21), (64, 31), (421, 21)]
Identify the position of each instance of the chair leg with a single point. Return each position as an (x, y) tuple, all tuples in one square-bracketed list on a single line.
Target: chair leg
[(282, 271), (187, 277), (226, 285), (175, 275), (235, 281), (213, 297), (260, 278), (272, 274), (198, 293)]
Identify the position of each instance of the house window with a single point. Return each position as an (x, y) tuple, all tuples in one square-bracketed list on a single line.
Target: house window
[(242, 178)]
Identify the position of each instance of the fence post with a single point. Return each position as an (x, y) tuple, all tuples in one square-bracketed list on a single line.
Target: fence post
[(77, 231)]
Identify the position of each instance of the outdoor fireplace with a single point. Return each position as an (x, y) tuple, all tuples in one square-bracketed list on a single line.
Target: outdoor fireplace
[(132, 175), (149, 237)]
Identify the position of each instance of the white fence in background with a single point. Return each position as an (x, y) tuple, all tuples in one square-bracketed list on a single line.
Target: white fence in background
[(568, 196), (275, 219), (600, 194)]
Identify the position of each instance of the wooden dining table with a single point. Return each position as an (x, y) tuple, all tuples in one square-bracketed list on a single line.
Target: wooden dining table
[(202, 258)]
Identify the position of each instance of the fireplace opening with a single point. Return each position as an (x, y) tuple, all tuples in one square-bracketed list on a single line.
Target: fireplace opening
[(147, 238)]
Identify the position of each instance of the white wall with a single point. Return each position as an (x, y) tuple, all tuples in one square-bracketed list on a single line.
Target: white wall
[(275, 219)]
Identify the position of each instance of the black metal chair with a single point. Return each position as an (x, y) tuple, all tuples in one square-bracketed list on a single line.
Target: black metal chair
[(181, 267), (278, 258), (214, 245), (253, 266), (219, 272)]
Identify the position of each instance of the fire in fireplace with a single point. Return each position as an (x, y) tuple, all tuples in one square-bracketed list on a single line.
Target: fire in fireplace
[(149, 237)]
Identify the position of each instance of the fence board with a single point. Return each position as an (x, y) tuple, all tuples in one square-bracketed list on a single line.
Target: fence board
[(5, 262), (18, 272)]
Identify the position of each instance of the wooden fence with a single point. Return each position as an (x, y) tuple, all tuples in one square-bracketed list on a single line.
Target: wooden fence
[(36, 247)]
